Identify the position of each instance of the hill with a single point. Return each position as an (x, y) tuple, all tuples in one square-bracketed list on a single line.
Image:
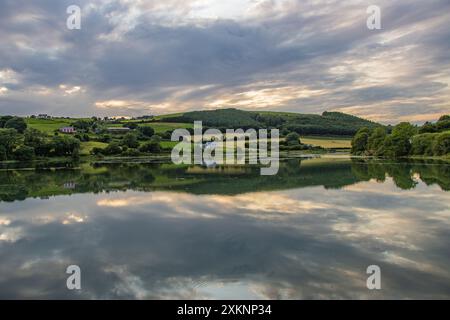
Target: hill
[(329, 123)]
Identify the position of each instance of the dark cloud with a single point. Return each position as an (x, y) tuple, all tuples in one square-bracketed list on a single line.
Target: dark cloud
[(165, 54)]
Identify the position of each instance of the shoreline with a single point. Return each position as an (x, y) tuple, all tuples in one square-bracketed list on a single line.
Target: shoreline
[(164, 157)]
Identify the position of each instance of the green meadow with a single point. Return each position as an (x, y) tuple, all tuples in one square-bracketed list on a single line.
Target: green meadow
[(48, 125), (328, 142)]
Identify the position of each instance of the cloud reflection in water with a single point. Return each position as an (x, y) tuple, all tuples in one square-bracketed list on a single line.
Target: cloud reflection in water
[(306, 243)]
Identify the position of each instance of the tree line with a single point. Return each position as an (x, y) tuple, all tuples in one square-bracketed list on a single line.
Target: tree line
[(21, 143), (405, 139), (329, 123), (18, 142)]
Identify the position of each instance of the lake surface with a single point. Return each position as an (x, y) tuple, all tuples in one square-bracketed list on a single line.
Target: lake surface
[(159, 231)]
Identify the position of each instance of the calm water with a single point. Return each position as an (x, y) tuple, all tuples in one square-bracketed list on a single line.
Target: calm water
[(151, 231)]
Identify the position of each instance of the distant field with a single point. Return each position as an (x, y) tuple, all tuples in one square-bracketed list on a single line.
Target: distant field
[(160, 127), (172, 115), (168, 144), (324, 142), (327, 142), (86, 147), (48, 125)]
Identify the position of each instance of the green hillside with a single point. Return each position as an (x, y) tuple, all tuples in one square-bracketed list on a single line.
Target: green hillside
[(329, 123), (48, 125)]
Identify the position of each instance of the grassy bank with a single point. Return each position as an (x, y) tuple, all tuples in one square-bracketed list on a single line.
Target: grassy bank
[(327, 142)]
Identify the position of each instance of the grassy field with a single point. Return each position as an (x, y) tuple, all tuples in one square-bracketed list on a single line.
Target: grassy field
[(324, 142), (327, 142), (86, 147), (172, 115), (168, 144), (48, 125), (160, 127)]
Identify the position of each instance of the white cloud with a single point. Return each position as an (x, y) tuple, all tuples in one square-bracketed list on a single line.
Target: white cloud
[(3, 90), (317, 55)]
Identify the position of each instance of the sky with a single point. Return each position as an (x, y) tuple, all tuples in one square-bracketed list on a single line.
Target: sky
[(133, 58)]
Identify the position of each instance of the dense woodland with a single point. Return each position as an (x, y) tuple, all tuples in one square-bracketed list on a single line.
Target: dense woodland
[(405, 139), (329, 123)]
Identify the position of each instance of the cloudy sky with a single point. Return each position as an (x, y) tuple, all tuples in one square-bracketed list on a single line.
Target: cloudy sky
[(152, 57)]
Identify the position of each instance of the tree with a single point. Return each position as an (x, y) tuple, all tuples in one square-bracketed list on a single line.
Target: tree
[(443, 125), (396, 146), (442, 144), (284, 132), (97, 151), (398, 143), (112, 148), (360, 140), (166, 135), (146, 131), (16, 123), (422, 144), (9, 139), (130, 125), (156, 138), (84, 137), (83, 125), (4, 119), (405, 129), (24, 153), (130, 140), (131, 153), (39, 141), (105, 138), (65, 145), (428, 128), (293, 139), (150, 147), (376, 140), (3, 155)]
